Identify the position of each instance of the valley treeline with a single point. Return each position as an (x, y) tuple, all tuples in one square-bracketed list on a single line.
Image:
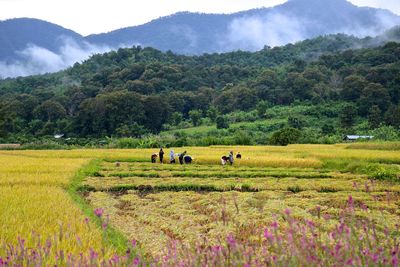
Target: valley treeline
[(327, 86)]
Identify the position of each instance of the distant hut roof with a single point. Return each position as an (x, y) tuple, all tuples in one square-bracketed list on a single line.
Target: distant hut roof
[(356, 137)]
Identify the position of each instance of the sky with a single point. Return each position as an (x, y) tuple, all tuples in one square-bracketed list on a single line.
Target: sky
[(97, 16)]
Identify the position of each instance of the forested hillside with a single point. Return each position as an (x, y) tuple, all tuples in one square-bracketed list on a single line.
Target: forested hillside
[(32, 46), (138, 91)]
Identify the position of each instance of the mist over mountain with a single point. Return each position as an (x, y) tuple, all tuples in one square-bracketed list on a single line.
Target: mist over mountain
[(30, 46), (193, 33)]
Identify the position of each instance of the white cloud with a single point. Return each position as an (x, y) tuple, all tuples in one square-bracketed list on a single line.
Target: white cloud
[(39, 60), (252, 33), (96, 16), (393, 5)]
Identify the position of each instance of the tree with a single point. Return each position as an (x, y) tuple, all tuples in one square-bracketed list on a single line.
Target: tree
[(327, 129), (50, 111), (139, 87), (266, 81), (353, 86), (236, 98), (176, 118), (195, 116), (374, 117), (122, 107), (222, 122), (392, 116), (157, 112), (90, 119), (262, 107), (300, 86), (29, 103), (374, 94), (285, 136), (347, 116), (242, 138), (212, 113), (134, 130), (6, 122), (296, 122)]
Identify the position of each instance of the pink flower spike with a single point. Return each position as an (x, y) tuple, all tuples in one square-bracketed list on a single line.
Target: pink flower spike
[(267, 234), (133, 243), (216, 249), (310, 223), (274, 225), (99, 212), (287, 212), (231, 240), (395, 260), (350, 201)]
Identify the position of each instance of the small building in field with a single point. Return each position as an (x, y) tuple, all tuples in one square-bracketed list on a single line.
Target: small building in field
[(352, 138)]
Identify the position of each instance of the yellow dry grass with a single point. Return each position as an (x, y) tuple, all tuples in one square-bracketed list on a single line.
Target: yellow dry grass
[(188, 216), (33, 200), (37, 171), (33, 196), (290, 156), (49, 212)]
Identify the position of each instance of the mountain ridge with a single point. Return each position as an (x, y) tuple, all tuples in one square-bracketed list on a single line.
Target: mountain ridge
[(50, 47)]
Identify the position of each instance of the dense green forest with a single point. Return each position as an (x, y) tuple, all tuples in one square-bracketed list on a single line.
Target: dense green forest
[(312, 91)]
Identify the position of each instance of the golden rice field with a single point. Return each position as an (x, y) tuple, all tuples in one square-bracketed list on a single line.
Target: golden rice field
[(153, 203), (33, 199)]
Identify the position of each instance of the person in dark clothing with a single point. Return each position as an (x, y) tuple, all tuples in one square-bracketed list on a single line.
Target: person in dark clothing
[(154, 158), (161, 155), (187, 159), (181, 157), (238, 155)]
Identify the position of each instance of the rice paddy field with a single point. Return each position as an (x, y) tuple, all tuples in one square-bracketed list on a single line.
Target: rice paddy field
[(296, 205)]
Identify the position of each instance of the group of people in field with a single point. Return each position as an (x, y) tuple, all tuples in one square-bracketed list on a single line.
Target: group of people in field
[(186, 159), (229, 159), (182, 157)]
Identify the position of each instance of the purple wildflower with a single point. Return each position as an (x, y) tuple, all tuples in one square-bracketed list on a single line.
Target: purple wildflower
[(350, 202), (274, 225), (99, 212), (287, 212), (395, 260), (231, 240), (267, 234)]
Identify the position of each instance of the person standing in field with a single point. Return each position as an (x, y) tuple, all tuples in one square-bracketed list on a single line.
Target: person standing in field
[(171, 157), (230, 157), (161, 155), (181, 157)]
